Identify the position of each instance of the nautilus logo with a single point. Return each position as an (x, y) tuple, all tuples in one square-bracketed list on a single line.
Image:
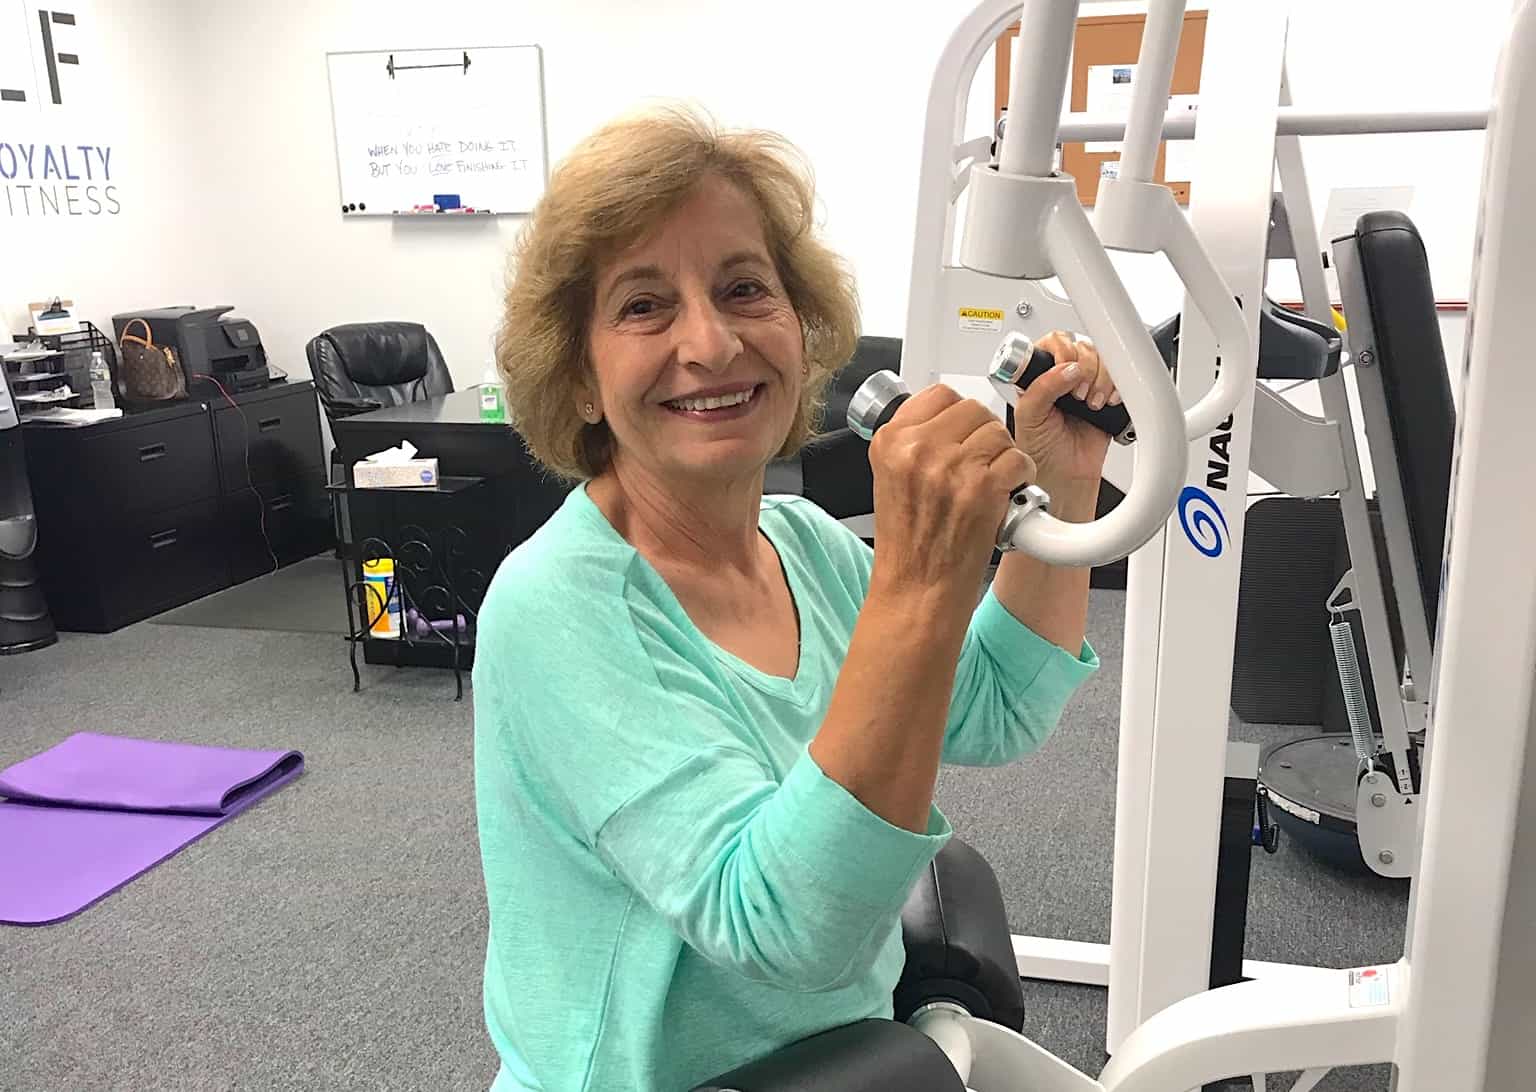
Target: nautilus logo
[(1196, 512)]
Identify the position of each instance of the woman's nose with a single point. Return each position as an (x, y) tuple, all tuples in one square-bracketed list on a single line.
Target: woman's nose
[(705, 336)]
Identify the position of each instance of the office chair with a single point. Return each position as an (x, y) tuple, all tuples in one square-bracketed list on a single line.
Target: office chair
[(364, 366)]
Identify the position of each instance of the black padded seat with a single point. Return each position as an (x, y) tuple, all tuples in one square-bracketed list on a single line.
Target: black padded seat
[(1411, 358)]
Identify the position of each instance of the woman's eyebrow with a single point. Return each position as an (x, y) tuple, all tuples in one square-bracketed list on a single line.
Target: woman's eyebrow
[(655, 272), (744, 257), (636, 273)]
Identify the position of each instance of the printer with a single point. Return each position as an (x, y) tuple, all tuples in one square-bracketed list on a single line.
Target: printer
[(208, 342)]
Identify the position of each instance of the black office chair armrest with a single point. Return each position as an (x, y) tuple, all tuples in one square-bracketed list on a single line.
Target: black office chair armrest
[(345, 407)]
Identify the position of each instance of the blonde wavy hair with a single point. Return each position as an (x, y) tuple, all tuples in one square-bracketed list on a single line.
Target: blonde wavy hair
[(618, 185)]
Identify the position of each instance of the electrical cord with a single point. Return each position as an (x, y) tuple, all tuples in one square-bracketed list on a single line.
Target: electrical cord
[(250, 481)]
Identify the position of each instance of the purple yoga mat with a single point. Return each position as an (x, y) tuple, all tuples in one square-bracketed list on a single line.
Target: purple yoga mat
[(88, 815)]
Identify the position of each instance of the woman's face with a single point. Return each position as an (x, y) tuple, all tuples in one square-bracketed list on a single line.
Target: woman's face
[(696, 350)]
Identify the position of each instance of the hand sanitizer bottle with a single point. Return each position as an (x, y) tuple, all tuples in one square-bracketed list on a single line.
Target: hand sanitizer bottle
[(493, 406)]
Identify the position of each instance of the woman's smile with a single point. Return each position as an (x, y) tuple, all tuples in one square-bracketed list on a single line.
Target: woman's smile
[(720, 404)]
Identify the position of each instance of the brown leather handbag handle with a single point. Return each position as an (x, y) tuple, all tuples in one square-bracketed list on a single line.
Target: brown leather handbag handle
[(148, 334)]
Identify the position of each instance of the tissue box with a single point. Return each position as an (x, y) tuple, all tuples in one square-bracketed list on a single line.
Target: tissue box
[(410, 474)]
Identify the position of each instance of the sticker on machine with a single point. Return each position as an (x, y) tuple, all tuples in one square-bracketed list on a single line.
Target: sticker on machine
[(981, 320), (1369, 987)]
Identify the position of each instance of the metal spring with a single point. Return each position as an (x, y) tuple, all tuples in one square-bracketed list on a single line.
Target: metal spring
[(1354, 692)]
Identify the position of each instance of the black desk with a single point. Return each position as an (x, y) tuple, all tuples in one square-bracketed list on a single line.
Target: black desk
[(150, 510), (465, 537), (450, 429)]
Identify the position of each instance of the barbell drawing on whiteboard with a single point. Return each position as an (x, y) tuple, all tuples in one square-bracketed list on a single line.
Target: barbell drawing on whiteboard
[(391, 67), (477, 131)]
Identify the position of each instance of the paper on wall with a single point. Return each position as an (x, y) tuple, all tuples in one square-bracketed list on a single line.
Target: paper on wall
[(1109, 95), (1179, 166), (1348, 204)]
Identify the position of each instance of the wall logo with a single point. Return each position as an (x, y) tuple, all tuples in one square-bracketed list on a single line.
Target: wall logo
[(1203, 523), (54, 54), (39, 73)]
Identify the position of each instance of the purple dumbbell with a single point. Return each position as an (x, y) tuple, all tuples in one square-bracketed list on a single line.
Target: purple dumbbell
[(421, 627)]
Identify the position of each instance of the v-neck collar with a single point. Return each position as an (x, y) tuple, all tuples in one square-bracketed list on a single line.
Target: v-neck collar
[(800, 688)]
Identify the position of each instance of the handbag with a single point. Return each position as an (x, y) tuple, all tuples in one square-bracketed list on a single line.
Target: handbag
[(151, 373)]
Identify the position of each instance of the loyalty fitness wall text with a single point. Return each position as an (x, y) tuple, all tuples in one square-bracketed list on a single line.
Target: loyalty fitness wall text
[(44, 83), (58, 179)]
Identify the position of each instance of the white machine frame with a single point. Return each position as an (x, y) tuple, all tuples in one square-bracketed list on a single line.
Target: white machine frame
[(1455, 1013)]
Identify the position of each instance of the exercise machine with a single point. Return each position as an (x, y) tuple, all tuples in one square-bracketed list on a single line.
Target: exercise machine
[(1183, 584), (1358, 803), (1455, 1012)]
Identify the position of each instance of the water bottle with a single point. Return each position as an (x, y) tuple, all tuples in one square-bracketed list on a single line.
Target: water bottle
[(493, 408), (101, 381)]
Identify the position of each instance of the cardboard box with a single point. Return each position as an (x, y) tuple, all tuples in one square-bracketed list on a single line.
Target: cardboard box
[(411, 474)]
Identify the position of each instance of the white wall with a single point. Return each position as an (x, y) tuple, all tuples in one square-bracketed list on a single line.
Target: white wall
[(1409, 55), (126, 96), (227, 166), (846, 81)]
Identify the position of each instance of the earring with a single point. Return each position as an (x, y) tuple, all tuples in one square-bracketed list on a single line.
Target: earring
[(587, 409), (805, 368)]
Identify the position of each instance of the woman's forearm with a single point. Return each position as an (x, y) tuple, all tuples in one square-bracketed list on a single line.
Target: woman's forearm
[(884, 730), (1049, 599)]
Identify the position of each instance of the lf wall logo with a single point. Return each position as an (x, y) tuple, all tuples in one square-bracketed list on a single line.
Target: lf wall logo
[(1199, 514), (47, 33), (43, 85)]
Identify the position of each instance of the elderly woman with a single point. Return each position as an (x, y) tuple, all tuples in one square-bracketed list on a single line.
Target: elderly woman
[(708, 722)]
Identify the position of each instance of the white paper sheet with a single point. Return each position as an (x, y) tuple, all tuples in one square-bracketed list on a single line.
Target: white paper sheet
[(1109, 95), (1347, 205), (1180, 163)]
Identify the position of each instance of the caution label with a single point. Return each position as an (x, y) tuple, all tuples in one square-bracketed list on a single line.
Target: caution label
[(981, 320), (1369, 988)]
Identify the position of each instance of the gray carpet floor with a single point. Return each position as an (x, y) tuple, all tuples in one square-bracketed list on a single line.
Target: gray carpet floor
[(305, 597), (332, 936)]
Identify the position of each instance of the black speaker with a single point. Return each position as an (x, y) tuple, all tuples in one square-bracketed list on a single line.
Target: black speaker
[(24, 620)]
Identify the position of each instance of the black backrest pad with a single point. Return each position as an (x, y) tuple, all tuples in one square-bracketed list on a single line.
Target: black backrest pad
[(955, 929), (872, 354), (869, 1056), (1418, 388), (835, 469)]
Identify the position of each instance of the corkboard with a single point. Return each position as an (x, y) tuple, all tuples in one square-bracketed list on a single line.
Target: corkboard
[(1111, 39)]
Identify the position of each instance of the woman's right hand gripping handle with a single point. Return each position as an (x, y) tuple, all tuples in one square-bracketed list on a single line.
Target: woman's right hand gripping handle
[(944, 470)]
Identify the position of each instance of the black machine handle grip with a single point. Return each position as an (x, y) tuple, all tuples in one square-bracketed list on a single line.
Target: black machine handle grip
[(269, 424), (161, 539), (1018, 363), (278, 504), (151, 452)]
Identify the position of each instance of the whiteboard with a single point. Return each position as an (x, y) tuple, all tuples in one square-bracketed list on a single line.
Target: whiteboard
[(413, 124)]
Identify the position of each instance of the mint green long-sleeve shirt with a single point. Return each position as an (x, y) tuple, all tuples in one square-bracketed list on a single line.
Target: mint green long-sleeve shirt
[(675, 887)]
